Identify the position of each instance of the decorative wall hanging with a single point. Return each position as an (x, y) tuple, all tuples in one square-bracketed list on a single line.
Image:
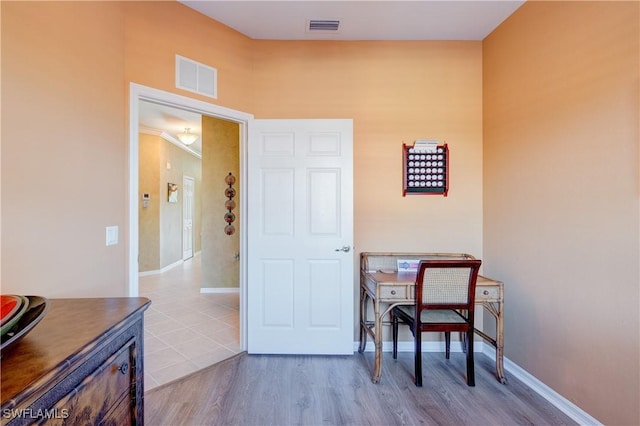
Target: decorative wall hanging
[(172, 196), (425, 168), (229, 217)]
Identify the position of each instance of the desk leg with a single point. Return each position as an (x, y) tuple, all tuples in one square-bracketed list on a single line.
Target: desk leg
[(375, 330), (363, 320), (377, 370), (498, 343)]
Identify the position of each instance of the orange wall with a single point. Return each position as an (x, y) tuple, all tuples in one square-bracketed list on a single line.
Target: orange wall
[(558, 81), (561, 119), (395, 92), (64, 164), (74, 75), (156, 31)]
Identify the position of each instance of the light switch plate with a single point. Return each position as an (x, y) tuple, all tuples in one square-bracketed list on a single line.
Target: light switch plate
[(112, 235)]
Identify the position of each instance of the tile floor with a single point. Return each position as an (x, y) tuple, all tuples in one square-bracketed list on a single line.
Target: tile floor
[(185, 330)]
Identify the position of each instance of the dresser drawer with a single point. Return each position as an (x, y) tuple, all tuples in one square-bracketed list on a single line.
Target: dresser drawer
[(120, 415), (102, 394), (396, 292)]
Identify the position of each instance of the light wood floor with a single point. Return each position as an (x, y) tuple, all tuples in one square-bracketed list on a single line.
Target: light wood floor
[(337, 390)]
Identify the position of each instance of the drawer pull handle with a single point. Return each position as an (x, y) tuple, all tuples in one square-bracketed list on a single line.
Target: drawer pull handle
[(485, 292), (124, 367), (393, 292)]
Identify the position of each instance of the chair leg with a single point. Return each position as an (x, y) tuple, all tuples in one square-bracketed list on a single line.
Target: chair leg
[(394, 327), (471, 377), (447, 344), (418, 357)]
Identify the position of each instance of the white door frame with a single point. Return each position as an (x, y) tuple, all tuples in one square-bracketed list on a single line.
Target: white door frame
[(137, 93)]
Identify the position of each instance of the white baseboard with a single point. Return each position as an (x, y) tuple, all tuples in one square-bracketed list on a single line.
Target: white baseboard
[(220, 290), (559, 401), (166, 268), (160, 271), (553, 397)]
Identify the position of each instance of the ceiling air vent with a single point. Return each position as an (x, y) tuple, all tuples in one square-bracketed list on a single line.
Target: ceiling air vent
[(327, 25)]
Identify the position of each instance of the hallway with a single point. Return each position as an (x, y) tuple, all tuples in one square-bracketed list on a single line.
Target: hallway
[(185, 330)]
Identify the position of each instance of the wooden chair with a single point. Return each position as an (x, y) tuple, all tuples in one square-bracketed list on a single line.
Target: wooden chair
[(445, 299)]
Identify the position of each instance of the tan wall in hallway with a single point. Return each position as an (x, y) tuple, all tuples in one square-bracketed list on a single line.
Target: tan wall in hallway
[(561, 120), (220, 155), (64, 164), (174, 163), (149, 217), (160, 224)]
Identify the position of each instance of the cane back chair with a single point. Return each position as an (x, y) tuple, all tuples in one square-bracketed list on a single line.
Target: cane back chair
[(445, 300)]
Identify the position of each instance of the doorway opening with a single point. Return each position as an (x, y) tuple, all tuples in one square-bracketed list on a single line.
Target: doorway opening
[(140, 93)]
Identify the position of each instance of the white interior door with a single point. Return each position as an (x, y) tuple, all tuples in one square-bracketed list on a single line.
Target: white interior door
[(188, 184), (300, 235)]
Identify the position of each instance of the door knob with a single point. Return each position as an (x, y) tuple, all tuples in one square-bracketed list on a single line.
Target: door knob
[(345, 249)]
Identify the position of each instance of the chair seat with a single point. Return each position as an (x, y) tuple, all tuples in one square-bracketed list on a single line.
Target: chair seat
[(431, 316)]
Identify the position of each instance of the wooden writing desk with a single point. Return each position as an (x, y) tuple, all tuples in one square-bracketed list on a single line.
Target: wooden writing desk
[(386, 290)]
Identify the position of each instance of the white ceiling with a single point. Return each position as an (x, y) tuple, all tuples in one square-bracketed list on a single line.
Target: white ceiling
[(155, 118), (359, 20)]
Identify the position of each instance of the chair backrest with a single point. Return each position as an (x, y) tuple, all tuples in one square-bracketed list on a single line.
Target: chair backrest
[(380, 261), (447, 284)]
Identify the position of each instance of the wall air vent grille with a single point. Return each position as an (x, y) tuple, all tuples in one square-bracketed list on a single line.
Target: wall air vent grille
[(196, 77), (323, 25)]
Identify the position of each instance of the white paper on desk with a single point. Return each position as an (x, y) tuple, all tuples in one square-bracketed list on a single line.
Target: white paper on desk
[(408, 265)]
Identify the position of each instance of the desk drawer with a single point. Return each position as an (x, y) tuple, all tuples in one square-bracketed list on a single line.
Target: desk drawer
[(487, 292), (396, 292)]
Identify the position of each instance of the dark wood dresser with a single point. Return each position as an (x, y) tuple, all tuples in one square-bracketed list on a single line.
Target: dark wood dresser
[(82, 364)]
